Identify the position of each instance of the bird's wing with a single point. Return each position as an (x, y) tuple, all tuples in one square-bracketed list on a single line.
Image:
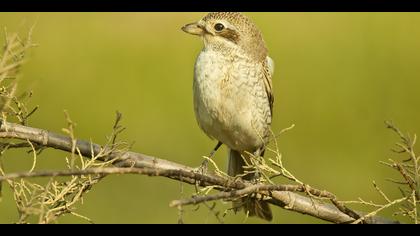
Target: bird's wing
[(268, 73), (270, 64)]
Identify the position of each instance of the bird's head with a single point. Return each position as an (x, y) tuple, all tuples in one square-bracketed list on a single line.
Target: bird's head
[(227, 31)]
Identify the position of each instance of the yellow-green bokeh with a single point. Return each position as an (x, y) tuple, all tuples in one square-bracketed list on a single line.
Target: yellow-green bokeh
[(338, 77)]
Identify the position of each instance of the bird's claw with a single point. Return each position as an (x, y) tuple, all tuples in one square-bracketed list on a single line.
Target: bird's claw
[(203, 168)]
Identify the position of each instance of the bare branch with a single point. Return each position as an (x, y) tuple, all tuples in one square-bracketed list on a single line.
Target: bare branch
[(131, 162)]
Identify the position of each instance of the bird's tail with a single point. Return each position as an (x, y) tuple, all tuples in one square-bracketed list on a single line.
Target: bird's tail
[(252, 206)]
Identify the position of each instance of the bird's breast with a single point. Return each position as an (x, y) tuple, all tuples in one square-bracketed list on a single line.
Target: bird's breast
[(227, 98)]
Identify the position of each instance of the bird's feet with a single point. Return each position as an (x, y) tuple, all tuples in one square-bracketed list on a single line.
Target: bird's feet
[(203, 168)]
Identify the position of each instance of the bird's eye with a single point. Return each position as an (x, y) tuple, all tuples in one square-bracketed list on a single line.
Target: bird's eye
[(219, 27)]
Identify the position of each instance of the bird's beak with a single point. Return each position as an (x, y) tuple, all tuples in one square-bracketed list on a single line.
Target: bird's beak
[(194, 28)]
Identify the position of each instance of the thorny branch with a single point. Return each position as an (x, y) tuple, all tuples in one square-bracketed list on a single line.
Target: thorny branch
[(280, 195), (409, 169), (50, 201)]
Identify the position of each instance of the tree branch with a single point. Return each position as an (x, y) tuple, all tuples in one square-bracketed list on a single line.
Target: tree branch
[(138, 163)]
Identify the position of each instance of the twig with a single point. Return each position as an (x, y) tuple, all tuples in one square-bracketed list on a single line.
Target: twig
[(175, 174), (373, 213), (235, 194)]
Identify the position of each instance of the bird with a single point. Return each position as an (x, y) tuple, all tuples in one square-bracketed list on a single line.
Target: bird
[(233, 94)]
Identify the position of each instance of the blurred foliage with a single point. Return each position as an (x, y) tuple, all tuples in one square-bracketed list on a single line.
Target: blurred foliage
[(338, 77)]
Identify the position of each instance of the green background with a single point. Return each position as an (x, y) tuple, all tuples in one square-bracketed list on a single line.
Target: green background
[(338, 77)]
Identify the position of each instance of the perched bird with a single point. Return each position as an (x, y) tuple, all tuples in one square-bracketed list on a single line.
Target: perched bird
[(232, 92)]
